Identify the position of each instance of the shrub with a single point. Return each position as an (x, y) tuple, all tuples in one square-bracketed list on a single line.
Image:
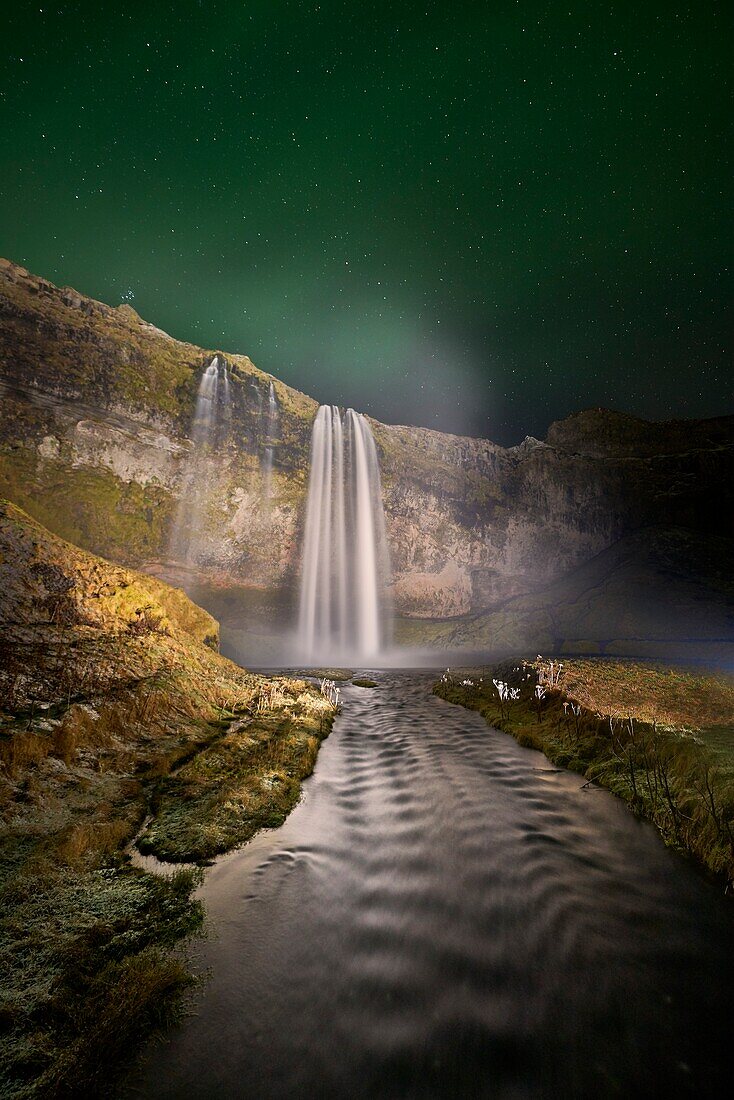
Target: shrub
[(147, 621)]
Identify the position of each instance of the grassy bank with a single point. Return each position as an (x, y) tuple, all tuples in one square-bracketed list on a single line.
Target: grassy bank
[(660, 738), (246, 780), (90, 946), (112, 698)]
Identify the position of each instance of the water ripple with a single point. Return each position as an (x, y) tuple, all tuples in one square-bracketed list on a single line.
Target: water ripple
[(447, 915)]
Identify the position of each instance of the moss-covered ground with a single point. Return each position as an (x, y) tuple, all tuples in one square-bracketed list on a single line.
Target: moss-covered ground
[(115, 708), (246, 780), (660, 738)]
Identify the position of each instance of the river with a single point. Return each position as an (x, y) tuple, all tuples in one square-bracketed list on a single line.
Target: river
[(446, 914)]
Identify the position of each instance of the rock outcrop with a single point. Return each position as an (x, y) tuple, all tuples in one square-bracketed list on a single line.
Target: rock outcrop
[(69, 619), (97, 409)]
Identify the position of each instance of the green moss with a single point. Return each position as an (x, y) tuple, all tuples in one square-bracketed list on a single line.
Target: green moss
[(86, 969), (184, 612), (245, 781), (91, 507), (339, 674)]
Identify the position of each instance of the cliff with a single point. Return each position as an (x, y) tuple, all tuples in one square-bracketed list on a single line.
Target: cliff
[(94, 440)]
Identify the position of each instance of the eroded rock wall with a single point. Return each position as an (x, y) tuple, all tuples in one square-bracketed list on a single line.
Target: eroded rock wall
[(97, 407)]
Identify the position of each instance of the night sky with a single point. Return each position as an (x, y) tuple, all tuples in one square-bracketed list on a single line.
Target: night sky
[(477, 217)]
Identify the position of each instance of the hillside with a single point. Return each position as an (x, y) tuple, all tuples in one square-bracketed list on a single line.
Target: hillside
[(118, 719)]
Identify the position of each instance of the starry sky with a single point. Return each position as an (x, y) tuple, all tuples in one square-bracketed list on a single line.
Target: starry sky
[(478, 217)]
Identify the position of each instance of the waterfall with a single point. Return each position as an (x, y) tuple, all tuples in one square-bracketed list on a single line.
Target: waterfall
[(208, 431), (345, 567), (203, 429), (269, 435), (226, 397)]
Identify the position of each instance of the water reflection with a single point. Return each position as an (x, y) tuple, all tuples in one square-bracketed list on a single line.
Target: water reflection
[(447, 915)]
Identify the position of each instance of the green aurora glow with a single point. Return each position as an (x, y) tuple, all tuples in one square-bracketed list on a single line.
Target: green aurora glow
[(477, 217)]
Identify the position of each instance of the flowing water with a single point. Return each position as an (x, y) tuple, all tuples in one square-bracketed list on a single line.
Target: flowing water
[(343, 614), (272, 418), (208, 430), (445, 914)]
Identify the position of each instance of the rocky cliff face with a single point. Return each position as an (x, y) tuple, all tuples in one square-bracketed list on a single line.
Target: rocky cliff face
[(95, 436)]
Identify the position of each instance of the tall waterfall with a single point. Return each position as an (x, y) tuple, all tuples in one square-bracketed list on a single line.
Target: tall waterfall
[(345, 568), (269, 435), (208, 431)]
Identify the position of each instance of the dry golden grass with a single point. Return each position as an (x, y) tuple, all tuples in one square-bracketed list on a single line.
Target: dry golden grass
[(23, 750), (99, 837), (664, 695)]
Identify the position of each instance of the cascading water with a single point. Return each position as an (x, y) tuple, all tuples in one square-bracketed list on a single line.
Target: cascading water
[(269, 435), (203, 429), (226, 398), (344, 613), (211, 416)]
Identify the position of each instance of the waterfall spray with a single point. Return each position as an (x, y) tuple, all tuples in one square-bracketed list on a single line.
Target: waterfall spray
[(211, 416), (203, 428), (270, 434), (345, 570)]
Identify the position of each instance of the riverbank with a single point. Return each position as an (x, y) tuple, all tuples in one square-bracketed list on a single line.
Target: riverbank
[(433, 912), (113, 704), (246, 780), (660, 738)]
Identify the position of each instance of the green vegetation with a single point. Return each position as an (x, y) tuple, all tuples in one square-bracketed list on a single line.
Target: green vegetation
[(88, 962), (245, 780), (89, 506), (660, 738), (111, 692), (338, 674)]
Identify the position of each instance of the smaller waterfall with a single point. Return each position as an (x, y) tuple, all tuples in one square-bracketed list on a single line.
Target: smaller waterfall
[(203, 428), (226, 395), (208, 431), (343, 612), (270, 434)]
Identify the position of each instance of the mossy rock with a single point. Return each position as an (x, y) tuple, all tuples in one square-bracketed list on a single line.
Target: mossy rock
[(340, 674), (363, 682)]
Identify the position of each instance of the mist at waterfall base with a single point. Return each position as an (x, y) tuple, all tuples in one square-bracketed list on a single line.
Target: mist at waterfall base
[(343, 614)]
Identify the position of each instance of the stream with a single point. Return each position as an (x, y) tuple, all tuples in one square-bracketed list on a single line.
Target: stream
[(446, 914)]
